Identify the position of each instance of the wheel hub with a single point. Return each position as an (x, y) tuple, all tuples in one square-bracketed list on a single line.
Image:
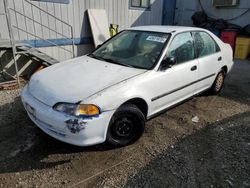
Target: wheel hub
[(124, 127), (219, 82)]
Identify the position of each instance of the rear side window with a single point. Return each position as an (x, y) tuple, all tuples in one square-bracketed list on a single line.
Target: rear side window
[(182, 48), (204, 44)]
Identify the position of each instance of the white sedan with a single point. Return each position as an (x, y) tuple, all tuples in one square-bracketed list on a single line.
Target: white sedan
[(108, 94)]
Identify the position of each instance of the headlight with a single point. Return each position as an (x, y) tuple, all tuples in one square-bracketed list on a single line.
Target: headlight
[(66, 108), (77, 109)]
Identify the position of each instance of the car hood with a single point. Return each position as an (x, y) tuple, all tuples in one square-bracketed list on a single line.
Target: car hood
[(77, 79)]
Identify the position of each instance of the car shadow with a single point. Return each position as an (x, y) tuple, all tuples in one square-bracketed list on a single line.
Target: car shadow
[(24, 146), (237, 82)]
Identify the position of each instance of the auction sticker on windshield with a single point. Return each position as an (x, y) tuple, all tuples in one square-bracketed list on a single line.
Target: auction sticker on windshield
[(156, 39)]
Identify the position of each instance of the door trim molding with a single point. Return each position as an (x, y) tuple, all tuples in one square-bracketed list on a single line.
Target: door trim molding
[(182, 87)]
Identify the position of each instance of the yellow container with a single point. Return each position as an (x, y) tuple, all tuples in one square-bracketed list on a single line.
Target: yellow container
[(242, 48)]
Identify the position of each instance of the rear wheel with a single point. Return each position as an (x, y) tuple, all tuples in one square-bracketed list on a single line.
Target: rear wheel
[(218, 83), (126, 126)]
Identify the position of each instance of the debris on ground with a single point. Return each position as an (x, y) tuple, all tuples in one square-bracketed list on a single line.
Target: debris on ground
[(195, 119)]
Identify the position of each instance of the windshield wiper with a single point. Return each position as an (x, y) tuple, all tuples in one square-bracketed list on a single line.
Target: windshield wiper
[(96, 57), (116, 62), (109, 60)]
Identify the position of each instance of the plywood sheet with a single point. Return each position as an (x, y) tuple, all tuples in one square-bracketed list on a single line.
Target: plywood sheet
[(99, 25)]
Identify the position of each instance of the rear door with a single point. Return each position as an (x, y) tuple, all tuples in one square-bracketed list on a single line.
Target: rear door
[(209, 57)]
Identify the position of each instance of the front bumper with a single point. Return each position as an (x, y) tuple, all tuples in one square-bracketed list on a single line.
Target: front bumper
[(93, 130)]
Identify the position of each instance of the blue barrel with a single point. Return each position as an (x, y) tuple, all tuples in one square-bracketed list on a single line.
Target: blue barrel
[(215, 32)]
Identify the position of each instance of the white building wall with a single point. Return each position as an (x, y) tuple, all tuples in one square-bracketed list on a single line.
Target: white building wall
[(3, 27), (118, 12)]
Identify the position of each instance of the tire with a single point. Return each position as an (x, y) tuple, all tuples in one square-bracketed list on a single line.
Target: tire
[(218, 83), (126, 126)]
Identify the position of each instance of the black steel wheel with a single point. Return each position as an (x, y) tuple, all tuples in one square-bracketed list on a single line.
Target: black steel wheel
[(126, 126)]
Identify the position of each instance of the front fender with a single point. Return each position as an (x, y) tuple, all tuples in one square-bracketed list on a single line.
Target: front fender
[(114, 97)]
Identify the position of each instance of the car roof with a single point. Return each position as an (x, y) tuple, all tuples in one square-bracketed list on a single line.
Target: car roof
[(165, 28)]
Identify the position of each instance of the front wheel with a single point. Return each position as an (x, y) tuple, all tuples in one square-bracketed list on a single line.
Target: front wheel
[(218, 83), (126, 126)]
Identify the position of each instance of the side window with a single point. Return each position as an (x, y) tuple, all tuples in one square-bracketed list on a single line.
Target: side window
[(181, 48), (204, 44)]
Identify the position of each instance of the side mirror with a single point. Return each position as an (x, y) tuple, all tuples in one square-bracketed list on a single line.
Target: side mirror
[(168, 63)]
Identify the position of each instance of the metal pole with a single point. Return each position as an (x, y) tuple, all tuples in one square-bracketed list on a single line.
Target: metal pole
[(13, 46), (73, 31), (73, 41)]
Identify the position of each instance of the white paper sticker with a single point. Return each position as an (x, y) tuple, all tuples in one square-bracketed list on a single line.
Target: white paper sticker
[(156, 39)]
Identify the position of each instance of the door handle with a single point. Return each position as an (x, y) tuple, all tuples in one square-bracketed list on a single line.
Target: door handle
[(219, 58), (193, 68)]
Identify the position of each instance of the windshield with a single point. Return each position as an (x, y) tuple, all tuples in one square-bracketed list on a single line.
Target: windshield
[(139, 49)]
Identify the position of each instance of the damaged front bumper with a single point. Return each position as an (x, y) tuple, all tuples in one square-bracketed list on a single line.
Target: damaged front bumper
[(75, 125), (69, 129)]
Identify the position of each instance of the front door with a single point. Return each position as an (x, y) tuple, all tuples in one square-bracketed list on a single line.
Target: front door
[(178, 82)]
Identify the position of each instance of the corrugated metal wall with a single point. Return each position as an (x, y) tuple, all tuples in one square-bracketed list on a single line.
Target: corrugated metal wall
[(118, 11), (74, 13), (3, 29)]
